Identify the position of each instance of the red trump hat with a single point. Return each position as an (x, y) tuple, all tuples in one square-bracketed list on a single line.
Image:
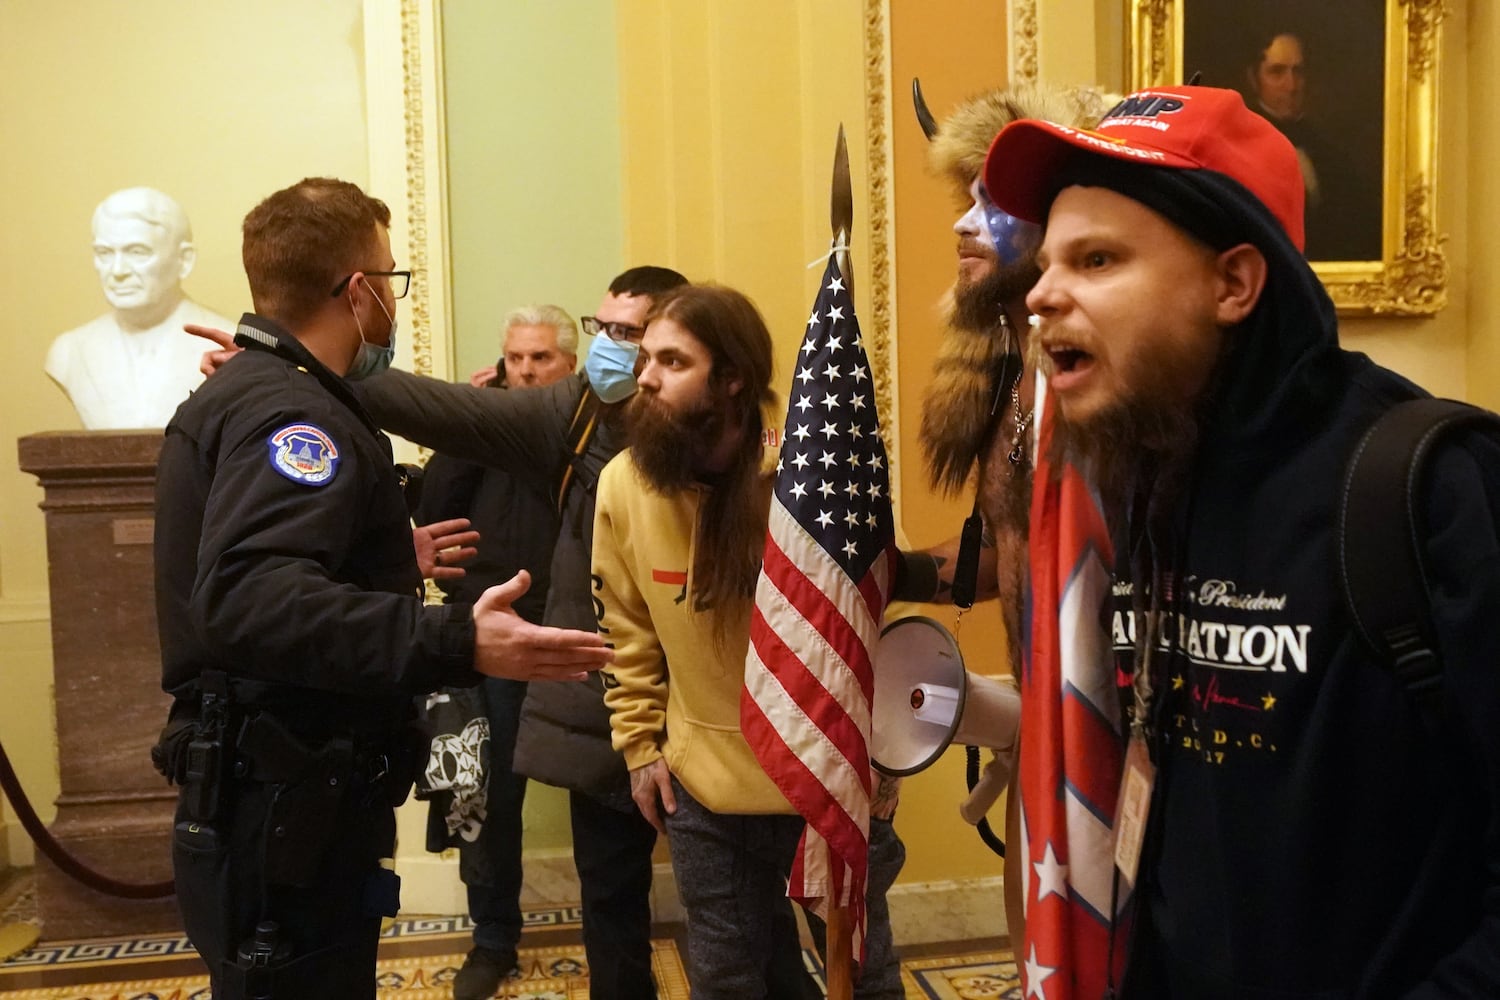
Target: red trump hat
[(1181, 128)]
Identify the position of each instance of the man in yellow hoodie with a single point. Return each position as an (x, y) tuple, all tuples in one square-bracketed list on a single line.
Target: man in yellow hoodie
[(679, 528)]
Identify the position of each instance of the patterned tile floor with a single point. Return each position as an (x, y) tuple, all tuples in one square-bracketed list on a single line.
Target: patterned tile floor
[(419, 957)]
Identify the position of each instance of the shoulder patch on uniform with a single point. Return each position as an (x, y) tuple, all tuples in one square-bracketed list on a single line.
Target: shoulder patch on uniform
[(304, 453)]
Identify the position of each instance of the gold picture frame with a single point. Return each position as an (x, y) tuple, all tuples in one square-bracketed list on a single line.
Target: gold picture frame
[(1410, 276)]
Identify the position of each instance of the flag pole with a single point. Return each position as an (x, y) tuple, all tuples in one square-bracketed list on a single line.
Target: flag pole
[(840, 954), (840, 943)]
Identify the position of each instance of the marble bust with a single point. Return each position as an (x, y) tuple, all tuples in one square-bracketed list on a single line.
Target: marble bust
[(132, 366)]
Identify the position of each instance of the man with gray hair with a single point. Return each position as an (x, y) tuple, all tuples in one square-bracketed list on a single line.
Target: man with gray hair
[(132, 366)]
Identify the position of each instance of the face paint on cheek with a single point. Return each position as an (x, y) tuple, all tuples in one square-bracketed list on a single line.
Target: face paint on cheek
[(1014, 240)]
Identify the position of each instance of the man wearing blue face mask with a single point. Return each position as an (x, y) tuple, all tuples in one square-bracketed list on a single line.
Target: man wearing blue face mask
[(560, 437), (294, 636)]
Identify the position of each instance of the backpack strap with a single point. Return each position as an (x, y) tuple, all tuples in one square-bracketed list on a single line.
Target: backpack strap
[(1380, 532), (580, 432)]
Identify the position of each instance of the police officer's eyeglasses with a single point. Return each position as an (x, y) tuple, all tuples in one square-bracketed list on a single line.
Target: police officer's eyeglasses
[(400, 282), (614, 331)]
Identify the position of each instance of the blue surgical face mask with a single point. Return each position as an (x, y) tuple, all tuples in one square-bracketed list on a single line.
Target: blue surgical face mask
[(610, 367), (1013, 239), (369, 359)]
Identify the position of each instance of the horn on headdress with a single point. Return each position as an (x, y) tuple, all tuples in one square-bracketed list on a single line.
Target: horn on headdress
[(924, 116)]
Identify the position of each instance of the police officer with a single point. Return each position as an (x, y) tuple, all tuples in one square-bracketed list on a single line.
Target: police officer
[(293, 633)]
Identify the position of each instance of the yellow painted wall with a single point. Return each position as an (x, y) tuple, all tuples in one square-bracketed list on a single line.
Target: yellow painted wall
[(1473, 41), (939, 844), (217, 104), (533, 137), (729, 112)]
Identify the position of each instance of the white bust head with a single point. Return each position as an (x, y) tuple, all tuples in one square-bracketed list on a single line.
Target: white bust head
[(131, 366), (143, 249)]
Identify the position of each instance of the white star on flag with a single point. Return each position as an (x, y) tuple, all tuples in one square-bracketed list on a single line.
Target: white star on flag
[(1051, 876), (1036, 974)]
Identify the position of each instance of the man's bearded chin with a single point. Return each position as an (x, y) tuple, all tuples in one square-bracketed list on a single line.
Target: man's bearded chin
[(956, 410), (1141, 446), (668, 446), (977, 304)]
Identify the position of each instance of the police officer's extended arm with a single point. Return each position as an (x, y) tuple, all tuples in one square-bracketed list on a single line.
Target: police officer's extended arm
[(507, 645)]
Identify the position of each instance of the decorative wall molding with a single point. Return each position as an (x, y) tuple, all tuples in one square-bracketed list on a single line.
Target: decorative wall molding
[(1023, 41), (878, 155)]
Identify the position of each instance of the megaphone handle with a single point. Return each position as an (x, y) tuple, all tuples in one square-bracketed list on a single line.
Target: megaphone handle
[(982, 796), (966, 570)]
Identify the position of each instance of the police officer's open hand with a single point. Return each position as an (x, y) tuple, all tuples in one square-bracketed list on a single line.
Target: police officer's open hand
[(507, 645), (211, 360)]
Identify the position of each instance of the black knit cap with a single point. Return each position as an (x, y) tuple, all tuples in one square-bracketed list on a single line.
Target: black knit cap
[(1176, 195)]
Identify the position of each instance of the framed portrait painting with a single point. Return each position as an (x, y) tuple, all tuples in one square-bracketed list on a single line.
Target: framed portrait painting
[(1353, 85)]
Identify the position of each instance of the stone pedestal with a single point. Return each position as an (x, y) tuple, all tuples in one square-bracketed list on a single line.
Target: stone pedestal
[(114, 812)]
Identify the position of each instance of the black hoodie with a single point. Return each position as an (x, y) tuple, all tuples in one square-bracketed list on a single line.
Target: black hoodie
[(1308, 837)]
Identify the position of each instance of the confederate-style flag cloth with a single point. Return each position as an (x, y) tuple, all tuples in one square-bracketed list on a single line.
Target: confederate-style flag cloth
[(824, 583), (1072, 750)]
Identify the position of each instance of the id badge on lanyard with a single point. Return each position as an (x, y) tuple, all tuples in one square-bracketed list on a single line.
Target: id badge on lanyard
[(1139, 777)]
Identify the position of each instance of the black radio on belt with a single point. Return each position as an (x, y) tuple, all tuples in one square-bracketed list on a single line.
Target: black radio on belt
[(204, 774)]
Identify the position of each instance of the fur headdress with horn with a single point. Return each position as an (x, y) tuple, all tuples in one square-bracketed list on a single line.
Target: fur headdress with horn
[(956, 410), (959, 144)]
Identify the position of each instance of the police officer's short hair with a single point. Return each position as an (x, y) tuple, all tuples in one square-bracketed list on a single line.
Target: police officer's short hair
[(303, 240)]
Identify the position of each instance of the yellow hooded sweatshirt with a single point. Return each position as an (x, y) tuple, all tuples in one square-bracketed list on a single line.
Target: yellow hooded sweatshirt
[(672, 692)]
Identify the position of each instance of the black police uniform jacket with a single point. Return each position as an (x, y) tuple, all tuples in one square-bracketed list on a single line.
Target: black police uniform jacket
[(284, 552), (1309, 837)]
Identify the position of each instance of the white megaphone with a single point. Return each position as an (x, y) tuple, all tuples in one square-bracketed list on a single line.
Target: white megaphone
[(925, 700)]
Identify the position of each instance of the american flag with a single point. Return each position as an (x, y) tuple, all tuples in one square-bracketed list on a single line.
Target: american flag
[(1071, 743), (829, 562)]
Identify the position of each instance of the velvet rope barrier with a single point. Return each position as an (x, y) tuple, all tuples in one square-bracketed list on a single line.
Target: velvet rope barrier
[(59, 855)]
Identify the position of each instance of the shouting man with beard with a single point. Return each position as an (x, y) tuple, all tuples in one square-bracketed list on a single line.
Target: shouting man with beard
[(1309, 831), (679, 529), (978, 408)]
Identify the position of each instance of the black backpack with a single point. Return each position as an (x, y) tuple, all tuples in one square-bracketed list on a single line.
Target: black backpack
[(1385, 585)]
